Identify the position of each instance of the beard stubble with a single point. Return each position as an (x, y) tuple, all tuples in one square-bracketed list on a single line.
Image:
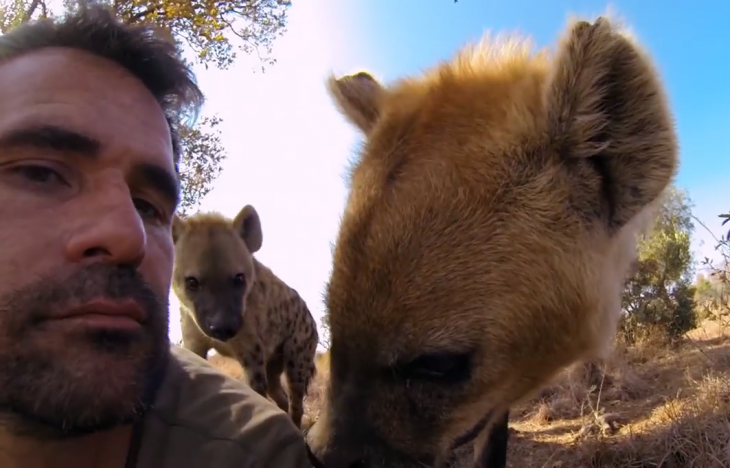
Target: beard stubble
[(61, 383)]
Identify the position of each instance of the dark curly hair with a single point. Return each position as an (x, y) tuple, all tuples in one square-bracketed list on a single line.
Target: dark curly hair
[(145, 53)]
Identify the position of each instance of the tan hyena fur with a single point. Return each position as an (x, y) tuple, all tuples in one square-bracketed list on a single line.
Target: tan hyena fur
[(491, 222), (261, 322)]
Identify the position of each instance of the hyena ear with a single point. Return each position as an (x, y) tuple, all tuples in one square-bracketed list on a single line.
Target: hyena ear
[(358, 98), (607, 113), (178, 227), (248, 226)]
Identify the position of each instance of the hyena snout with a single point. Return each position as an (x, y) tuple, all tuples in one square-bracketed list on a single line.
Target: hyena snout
[(339, 458), (222, 326), (340, 452)]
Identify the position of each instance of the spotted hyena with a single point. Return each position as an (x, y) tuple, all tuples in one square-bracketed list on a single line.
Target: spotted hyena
[(234, 304), (491, 222)]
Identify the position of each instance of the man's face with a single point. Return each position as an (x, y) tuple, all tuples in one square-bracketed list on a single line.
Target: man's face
[(88, 190)]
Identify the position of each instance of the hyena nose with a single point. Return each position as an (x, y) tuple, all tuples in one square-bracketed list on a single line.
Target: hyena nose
[(343, 460), (360, 462), (221, 331)]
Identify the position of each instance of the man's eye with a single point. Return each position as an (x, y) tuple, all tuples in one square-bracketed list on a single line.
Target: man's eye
[(39, 174), (146, 209)]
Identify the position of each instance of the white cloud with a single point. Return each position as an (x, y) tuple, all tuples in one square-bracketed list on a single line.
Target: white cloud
[(287, 148)]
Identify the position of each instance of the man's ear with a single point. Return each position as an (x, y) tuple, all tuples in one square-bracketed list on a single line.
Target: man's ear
[(607, 108), (248, 226), (178, 228), (358, 98)]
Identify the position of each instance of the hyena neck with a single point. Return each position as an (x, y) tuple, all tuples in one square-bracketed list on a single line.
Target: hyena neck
[(268, 289)]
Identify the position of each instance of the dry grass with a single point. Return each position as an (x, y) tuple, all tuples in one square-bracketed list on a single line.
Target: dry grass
[(315, 395), (658, 406)]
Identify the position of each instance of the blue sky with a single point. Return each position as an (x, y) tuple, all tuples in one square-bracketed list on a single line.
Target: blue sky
[(288, 147)]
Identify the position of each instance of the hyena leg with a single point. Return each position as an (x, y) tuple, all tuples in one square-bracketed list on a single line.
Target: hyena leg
[(299, 372), (491, 448), (274, 368), (192, 338), (254, 368)]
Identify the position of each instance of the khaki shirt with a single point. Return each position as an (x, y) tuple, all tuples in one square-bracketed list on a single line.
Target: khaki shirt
[(205, 419)]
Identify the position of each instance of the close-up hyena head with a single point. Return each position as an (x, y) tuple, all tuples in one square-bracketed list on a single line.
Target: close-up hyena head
[(214, 269), (491, 222)]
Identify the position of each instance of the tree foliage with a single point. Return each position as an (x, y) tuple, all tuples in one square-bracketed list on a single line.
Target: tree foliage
[(201, 164), (713, 290), (660, 292), (712, 296), (13, 13), (207, 28), (326, 338)]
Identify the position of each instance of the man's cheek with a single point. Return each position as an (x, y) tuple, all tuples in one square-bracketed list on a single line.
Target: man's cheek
[(159, 258)]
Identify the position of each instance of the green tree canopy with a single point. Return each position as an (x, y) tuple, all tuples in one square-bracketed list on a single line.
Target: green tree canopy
[(712, 296), (713, 290), (659, 291)]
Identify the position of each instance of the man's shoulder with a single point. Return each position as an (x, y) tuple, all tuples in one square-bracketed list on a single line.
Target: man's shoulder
[(209, 406)]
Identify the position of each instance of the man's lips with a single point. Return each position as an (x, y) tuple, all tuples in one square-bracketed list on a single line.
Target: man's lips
[(104, 310)]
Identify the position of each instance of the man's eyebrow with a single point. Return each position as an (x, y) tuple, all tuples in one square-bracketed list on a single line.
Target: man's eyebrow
[(159, 179), (50, 137), (55, 138)]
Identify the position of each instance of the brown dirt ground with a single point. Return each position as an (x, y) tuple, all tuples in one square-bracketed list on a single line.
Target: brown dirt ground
[(659, 406)]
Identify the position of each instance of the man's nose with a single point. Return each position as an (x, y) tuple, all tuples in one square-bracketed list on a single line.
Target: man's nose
[(109, 229)]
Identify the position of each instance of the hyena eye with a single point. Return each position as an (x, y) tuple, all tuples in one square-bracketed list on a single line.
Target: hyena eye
[(192, 284), (239, 280), (445, 367)]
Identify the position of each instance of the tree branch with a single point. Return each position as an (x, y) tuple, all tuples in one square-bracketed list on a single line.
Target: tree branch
[(31, 9)]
